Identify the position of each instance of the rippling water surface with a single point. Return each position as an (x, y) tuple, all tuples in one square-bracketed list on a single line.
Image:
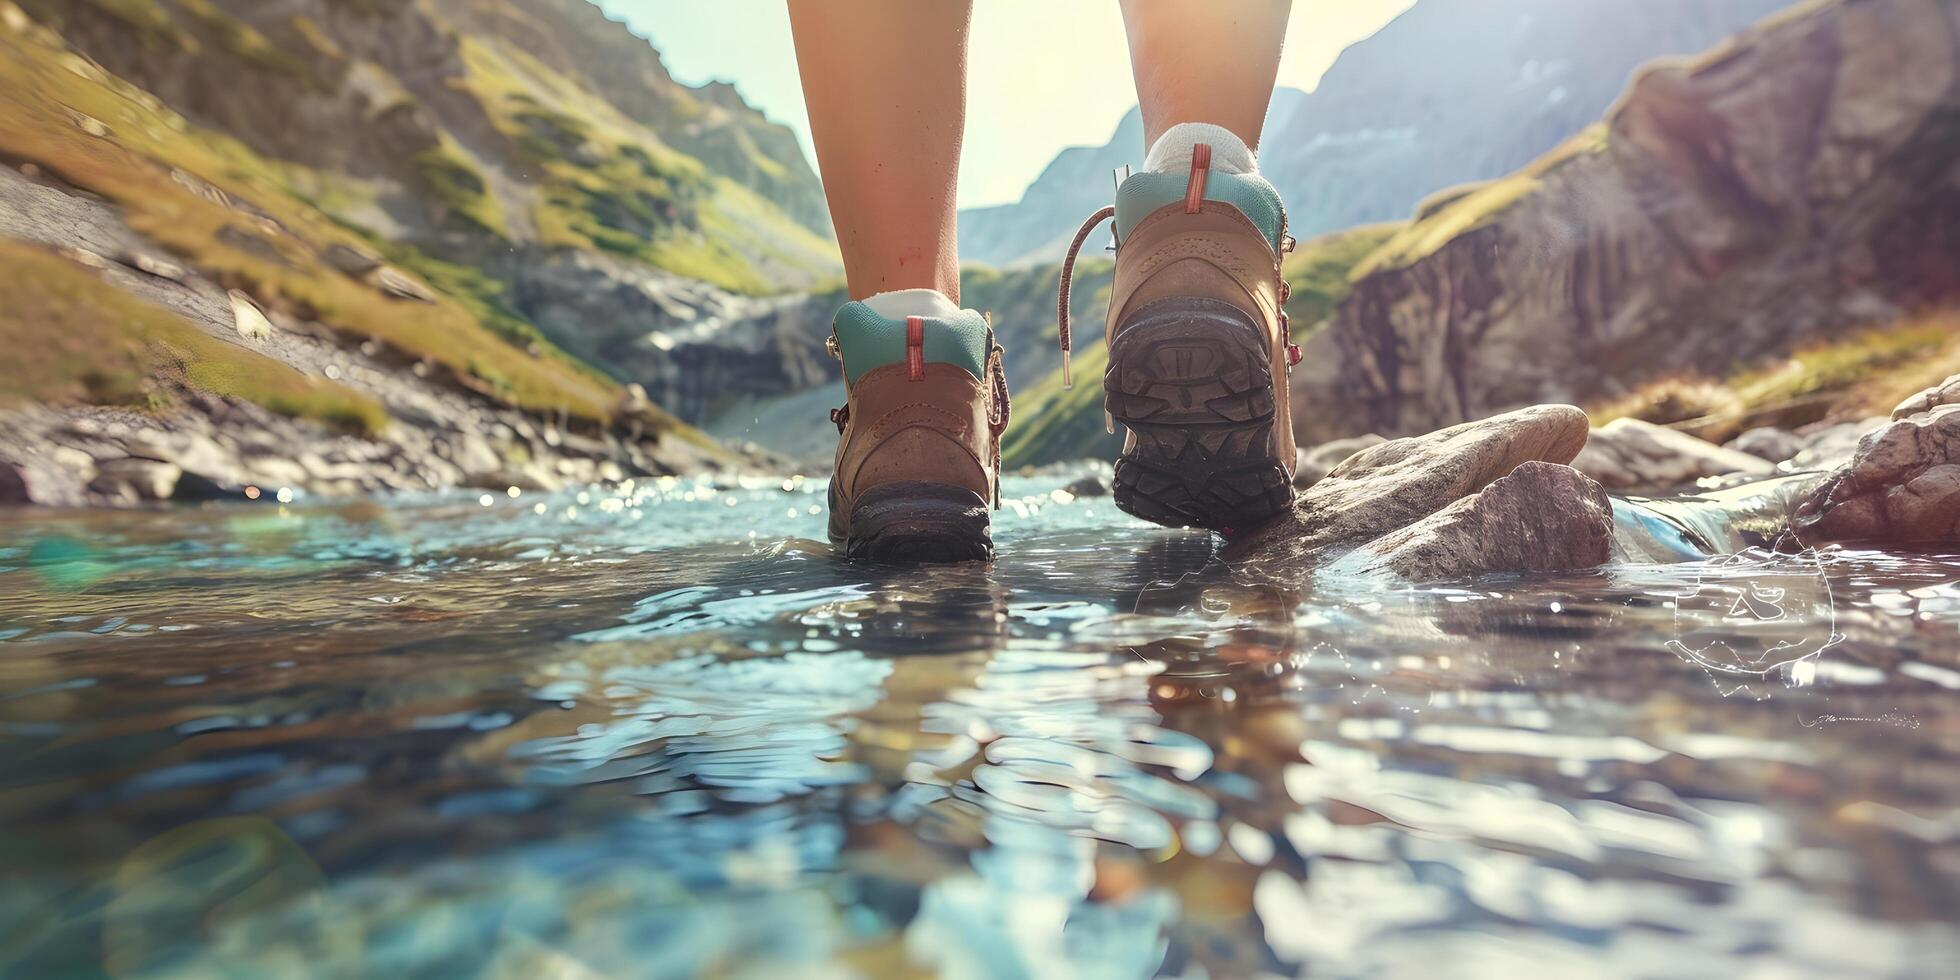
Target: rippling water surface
[(663, 732)]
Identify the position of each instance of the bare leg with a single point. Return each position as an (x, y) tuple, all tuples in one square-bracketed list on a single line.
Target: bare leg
[(885, 81), (1211, 62)]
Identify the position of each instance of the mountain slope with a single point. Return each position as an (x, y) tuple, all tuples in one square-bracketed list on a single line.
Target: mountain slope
[(1793, 184), (1449, 92), (472, 126), (330, 214)]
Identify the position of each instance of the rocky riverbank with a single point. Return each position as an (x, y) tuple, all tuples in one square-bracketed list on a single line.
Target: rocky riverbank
[(1503, 495), (188, 442)]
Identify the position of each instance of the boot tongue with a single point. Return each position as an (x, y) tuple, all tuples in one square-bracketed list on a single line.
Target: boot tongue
[(873, 333)]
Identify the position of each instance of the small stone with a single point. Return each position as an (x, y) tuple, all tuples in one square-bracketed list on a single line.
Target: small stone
[(1768, 442), (1093, 485), (1945, 393), (1629, 454), (250, 320), (633, 399), (1902, 486), (350, 260), (152, 265), (84, 257), (90, 125), (396, 284)]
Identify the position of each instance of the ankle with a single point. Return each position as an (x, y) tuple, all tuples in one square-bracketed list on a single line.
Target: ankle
[(898, 304), (1171, 152)]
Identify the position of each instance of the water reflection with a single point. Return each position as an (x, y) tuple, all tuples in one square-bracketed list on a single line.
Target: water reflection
[(446, 739)]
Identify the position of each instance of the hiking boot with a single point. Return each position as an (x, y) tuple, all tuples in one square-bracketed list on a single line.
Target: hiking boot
[(1198, 345), (918, 453)]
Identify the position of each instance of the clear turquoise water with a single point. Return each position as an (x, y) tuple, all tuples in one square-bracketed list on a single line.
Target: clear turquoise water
[(666, 733)]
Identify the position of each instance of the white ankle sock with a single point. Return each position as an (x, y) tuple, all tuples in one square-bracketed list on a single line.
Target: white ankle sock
[(1171, 154), (901, 303)]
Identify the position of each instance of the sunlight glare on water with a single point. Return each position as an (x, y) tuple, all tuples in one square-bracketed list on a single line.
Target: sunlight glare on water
[(659, 730)]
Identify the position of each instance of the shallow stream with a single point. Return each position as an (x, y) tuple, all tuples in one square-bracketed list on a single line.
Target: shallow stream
[(663, 732)]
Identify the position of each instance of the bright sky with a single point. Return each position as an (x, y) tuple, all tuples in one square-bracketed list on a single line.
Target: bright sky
[(1046, 74)]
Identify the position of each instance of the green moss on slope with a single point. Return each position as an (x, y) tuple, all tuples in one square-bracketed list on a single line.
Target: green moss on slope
[(74, 338), (460, 188), (1478, 207), (171, 180), (1053, 423), (1320, 272)]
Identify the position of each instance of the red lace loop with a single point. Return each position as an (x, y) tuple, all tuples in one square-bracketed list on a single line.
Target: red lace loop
[(997, 420), (1068, 273)]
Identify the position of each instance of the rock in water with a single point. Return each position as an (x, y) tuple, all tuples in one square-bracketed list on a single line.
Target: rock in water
[(1093, 485), (1629, 454), (1391, 486), (1543, 517), (1902, 486)]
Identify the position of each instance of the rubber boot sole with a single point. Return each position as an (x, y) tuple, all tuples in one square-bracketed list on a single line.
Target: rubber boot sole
[(1191, 378), (918, 521)]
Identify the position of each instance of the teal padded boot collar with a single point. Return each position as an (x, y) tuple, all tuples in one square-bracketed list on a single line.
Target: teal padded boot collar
[(864, 340), (1255, 197)]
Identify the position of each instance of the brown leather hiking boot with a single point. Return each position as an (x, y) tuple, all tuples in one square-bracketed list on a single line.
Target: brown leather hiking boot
[(918, 454), (1198, 347)]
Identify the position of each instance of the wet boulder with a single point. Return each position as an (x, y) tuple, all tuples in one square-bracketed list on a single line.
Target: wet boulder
[(1542, 517), (1391, 486), (1902, 485)]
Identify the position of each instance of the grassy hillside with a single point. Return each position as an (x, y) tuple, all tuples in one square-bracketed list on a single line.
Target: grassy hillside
[(242, 219), (261, 145), (1320, 272), (1860, 374), (75, 339)]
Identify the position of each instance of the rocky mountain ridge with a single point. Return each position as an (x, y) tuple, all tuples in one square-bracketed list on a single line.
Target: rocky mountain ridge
[(1451, 91), (1796, 183)]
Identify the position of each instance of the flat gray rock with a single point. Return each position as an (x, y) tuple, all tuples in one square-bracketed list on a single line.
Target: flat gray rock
[(1391, 486), (1543, 517)]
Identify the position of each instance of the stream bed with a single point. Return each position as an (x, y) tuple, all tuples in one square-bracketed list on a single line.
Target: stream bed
[(661, 731)]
